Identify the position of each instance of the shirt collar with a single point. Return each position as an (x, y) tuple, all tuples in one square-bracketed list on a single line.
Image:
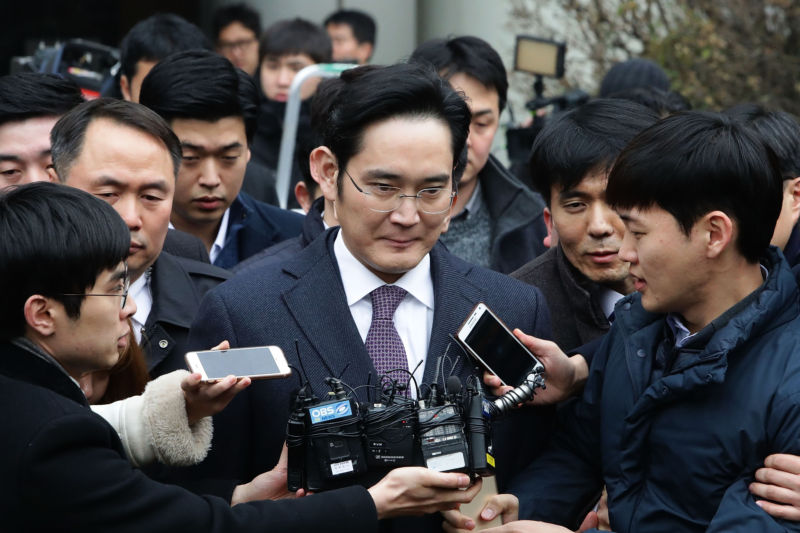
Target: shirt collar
[(222, 233), (359, 281)]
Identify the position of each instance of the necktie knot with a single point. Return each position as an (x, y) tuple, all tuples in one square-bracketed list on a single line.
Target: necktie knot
[(385, 300)]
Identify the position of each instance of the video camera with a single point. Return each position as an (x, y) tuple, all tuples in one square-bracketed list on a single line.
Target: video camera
[(92, 66), (337, 441)]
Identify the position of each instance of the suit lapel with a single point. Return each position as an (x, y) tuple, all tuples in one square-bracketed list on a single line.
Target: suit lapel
[(319, 306), (454, 297)]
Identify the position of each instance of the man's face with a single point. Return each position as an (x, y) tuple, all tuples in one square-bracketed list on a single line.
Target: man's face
[(411, 154), (25, 151), (239, 44), (277, 73), (666, 265), (345, 45), (133, 172), (95, 339), (484, 104), (215, 156), (131, 87), (590, 232)]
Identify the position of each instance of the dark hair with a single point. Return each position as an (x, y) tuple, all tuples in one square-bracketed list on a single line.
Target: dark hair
[(370, 94), (632, 74), (201, 85), (585, 139), (157, 37), (241, 13), (25, 95), (695, 162), (662, 102), (66, 137), (295, 36), (363, 25), (778, 129), (465, 55), (55, 240)]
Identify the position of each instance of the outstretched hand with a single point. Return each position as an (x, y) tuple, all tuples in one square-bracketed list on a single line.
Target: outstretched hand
[(414, 490), (209, 398), (267, 486), (564, 375)]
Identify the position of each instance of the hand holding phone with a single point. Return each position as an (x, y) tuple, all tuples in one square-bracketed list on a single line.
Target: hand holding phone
[(489, 341), (259, 362)]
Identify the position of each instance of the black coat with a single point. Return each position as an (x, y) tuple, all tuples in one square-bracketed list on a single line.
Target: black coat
[(63, 469), (182, 244), (177, 285)]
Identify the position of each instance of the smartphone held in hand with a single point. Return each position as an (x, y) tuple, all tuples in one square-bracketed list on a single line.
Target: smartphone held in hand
[(258, 362)]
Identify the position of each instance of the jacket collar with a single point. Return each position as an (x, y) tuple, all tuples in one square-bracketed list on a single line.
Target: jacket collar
[(313, 224), (581, 291), (173, 292), (507, 200), (18, 363)]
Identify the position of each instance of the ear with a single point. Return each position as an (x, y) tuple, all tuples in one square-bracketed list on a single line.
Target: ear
[(51, 171), (446, 221), (366, 51), (39, 315), (303, 196), (125, 87), (247, 155), (325, 170), (718, 230), (794, 190), (551, 239)]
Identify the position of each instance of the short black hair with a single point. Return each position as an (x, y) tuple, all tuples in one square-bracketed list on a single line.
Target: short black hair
[(662, 102), (778, 129), (157, 37), (694, 162), (201, 85), (466, 55), (295, 36), (370, 94), (68, 134), (363, 25), (241, 13), (632, 74), (585, 139), (25, 95), (56, 240)]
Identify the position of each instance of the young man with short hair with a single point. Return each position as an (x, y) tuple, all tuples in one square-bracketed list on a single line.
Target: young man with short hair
[(30, 103), (126, 155), (236, 29), (150, 41), (211, 106), (62, 467), (497, 220), (286, 48), (582, 276), (698, 377), (352, 34)]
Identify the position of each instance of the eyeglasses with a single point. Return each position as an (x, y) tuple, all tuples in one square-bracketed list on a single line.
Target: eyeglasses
[(126, 285), (385, 198), (227, 46)]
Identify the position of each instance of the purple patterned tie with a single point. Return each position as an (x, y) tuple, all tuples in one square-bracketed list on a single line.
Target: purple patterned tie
[(383, 342)]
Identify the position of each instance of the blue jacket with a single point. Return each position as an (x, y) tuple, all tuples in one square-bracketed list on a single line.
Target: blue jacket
[(253, 226), (678, 453)]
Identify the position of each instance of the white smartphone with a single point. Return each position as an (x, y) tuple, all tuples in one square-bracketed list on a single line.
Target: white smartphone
[(487, 339), (258, 362)]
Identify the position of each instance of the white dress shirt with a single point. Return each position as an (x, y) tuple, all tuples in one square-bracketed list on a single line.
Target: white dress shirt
[(222, 234), (141, 294), (413, 318)]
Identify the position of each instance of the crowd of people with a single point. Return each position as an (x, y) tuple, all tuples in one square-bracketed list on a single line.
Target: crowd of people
[(650, 270)]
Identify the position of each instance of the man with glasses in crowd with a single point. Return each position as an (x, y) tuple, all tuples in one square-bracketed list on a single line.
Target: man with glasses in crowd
[(392, 152)]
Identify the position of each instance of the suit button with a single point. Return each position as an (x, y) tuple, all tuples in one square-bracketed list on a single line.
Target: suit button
[(163, 343), (641, 353)]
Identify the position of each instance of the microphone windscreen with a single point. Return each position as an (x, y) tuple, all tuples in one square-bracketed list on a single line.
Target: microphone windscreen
[(453, 385)]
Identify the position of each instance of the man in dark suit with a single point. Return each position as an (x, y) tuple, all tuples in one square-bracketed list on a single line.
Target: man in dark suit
[(62, 467), (389, 164), (125, 154), (581, 276), (212, 108)]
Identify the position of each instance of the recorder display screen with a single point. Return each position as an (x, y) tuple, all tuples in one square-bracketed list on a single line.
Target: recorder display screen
[(500, 350)]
